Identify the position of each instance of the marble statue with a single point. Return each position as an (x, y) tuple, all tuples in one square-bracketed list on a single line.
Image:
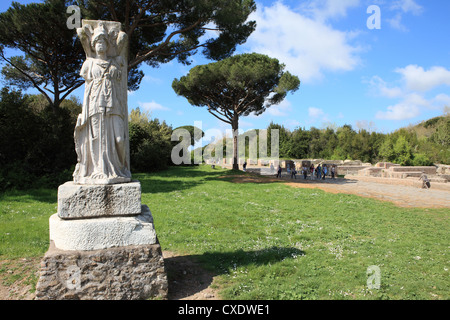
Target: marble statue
[(101, 132)]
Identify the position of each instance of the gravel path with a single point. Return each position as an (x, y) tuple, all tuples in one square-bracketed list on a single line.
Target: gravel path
[(401, 195)]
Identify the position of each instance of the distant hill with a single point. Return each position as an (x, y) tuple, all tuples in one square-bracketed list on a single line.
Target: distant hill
[(427, 128)]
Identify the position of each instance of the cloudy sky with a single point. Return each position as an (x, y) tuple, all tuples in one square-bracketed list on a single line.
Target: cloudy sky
[(379, 78)]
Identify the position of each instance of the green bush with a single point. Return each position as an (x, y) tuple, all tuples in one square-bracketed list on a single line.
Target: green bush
[(150, 143), (37, 143), (421, 159)]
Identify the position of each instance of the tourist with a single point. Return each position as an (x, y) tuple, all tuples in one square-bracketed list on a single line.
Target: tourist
[(425, 182), (245, 166), (333, 171), (279, 172), (293, 173), (325, 171), (319, 172)]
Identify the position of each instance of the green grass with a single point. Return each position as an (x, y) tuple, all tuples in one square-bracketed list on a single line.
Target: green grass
[(24, 222), (268, 240)]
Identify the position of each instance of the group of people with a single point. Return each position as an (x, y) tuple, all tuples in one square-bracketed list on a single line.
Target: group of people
[(319, 172)]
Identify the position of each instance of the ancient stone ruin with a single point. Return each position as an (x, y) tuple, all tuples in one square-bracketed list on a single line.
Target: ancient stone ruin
[(103, 244)]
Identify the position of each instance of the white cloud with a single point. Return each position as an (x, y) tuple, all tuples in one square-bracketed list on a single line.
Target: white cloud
[(413, 94), (315, 113), (329, 9), (408, 108), (418, 79), (442, 99), (307, 45), (407, 6), (401, 111), (153, 80), (403, 7), (152, 106), (381, 88), (280, 110), (396, 22)]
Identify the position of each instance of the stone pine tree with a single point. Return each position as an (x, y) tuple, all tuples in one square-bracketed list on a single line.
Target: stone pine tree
[(235, 87), (51, 57), (162, 30), (158, 32)]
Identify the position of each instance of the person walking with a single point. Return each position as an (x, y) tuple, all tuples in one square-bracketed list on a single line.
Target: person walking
[(319, 172), (325, 171), (293, 173), (279, 172)]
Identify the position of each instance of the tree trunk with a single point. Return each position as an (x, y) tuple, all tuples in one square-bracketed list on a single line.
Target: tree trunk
[(235, 127)]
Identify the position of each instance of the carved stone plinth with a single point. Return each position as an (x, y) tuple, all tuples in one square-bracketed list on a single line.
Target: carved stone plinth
[(87, 201), (99, 255), (123, 273), (103, 233)]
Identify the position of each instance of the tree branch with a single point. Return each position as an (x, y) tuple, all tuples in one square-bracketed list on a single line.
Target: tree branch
[(79, 84), (143, 57), (28, 76), (210, 111)]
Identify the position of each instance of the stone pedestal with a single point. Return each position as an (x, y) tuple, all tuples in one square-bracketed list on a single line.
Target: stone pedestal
[(103, 245), (86, 201)]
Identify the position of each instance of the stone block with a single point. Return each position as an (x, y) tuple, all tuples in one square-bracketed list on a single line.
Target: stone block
[(89, 201), (102, 233), (125, 273)]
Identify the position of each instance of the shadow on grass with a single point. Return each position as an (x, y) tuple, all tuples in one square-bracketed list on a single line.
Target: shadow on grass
[(181, 178), (191, 274), (31, 195)]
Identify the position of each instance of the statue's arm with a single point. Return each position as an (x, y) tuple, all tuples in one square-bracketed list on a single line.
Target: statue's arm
[(85, 70), (85, 35), (122, 44)]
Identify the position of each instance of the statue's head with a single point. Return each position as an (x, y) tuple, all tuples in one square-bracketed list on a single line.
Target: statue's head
[(99, 40)]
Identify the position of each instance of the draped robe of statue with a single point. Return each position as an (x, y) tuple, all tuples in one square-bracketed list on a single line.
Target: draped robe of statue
[(101, 133)]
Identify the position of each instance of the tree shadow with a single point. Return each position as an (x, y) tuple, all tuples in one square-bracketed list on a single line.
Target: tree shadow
[(191, 274), (30, 195), (178, 178)]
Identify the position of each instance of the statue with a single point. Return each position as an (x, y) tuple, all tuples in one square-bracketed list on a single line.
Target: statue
[(101, 132)]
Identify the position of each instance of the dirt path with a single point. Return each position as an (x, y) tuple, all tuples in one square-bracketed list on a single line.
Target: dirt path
[(400, 195), (187, 279)]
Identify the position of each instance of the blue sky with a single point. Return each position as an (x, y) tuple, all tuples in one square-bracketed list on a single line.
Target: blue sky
[(377, 79)]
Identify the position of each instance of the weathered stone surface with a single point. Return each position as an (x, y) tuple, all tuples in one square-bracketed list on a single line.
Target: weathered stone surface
[(125, 273), (86, 201), (101, 132), (103, 233)]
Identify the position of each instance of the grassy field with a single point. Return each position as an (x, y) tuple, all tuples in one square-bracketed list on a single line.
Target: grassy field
[(268, 240)]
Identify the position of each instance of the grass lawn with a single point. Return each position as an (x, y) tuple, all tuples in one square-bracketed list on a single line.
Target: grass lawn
[(268, 240)]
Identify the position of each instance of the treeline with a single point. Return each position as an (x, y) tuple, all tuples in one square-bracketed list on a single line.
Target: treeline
[(425, 144), (420, 145), (37, 146)]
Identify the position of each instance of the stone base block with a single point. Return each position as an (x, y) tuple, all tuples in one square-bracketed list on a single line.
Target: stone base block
[(86, 201), (124, 273), (103, 233)]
